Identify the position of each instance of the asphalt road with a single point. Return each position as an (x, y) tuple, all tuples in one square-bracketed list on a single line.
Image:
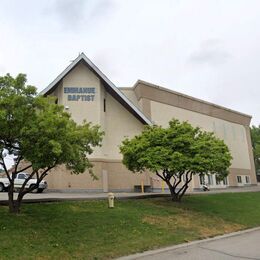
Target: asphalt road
[(241, 246)]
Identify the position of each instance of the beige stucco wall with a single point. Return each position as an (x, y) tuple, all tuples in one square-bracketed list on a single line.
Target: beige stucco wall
[(144, 90), (233, 134), (81, 76), (142, 103), (233, 126), (130, 94), (61, 179), (119, 124), (118, 178), (80, 110), (115, 121)]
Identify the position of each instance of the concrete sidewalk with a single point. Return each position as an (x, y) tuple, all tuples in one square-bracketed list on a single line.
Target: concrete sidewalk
[(47, 196), (69, 196), (238, 245)]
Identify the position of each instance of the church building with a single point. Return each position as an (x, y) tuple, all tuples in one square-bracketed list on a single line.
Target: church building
[(87, 94)]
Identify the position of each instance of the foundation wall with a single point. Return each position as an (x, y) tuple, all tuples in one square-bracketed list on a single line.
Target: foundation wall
[(112, 176), (61, 179)]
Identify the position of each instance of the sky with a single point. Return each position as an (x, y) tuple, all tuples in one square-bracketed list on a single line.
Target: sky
[(209, 49)]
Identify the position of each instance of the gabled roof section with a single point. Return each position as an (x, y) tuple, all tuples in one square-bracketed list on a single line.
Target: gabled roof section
[(110, 87)]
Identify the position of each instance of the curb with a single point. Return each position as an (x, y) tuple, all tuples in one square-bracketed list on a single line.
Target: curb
[(193, 243)]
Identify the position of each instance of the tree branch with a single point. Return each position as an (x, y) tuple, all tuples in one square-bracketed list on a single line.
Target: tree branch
[(186, 185), (165, 176), (25, 168), (174, 178), (179, 181), (26, 181), (39, 179), (9, 145), (158, 174), (18, 161)]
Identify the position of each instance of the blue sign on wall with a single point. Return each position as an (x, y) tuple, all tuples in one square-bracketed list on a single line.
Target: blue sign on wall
[(80, 94)]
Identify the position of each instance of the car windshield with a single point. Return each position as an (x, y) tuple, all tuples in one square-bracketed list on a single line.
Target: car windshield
[(26, 175)]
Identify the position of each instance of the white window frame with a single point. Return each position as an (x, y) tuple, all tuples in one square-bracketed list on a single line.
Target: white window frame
[(247, 179), (241, 180), (210, 180), (202, 176), (225, 181)]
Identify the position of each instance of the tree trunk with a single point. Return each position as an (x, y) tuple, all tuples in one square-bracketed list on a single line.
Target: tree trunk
[(14, 205), (174, 194), (167, 176), (11, 201), (176, 197)]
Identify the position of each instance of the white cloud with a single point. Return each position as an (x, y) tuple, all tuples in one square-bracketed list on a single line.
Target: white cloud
[(210, 53), (208, 49)]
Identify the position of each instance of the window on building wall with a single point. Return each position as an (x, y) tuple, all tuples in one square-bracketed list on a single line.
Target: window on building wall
[(210, 180), (104, 103), (202, 179), (247, 179), (239, 179), (218, 181), (225, 181)]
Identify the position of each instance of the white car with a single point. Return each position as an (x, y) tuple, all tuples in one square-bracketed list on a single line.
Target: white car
[(19, 180)]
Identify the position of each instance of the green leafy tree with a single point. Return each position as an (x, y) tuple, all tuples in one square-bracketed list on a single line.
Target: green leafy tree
[(255, 134), (175, 154), (36, 130)]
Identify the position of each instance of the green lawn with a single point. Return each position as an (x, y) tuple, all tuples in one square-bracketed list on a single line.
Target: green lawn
[(89, 230)]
